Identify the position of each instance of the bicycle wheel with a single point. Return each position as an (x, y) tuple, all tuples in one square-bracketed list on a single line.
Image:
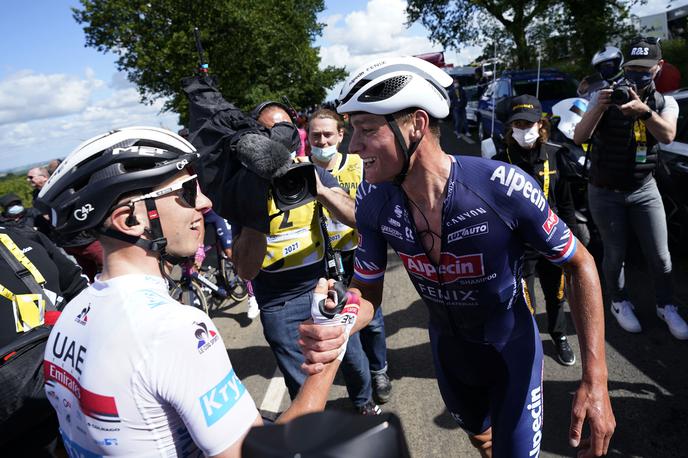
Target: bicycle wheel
[(216, 300), (189, 292), (235, 286)]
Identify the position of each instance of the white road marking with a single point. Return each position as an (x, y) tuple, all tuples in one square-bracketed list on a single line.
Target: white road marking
[(467, 139), (274, 394)]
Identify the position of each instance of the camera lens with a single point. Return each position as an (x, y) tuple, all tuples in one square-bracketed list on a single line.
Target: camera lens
[(290, 189), (620, 95)]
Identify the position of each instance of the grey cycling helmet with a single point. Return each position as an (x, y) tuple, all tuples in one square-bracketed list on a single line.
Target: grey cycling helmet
[(606, 54)]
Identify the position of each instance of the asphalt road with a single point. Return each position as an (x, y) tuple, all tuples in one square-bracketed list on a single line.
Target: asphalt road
[(648, 372)]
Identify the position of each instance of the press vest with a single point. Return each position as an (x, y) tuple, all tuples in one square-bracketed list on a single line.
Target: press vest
[(613, 159)]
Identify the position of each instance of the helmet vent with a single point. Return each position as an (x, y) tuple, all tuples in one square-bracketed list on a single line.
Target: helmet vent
[(110, 171), (385, 89)]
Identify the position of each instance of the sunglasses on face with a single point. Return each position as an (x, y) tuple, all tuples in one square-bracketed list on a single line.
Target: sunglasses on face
[(187, 190)]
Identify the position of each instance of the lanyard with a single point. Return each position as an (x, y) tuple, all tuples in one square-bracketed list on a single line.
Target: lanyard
[(545, 172), (19, 255), (640, 133)]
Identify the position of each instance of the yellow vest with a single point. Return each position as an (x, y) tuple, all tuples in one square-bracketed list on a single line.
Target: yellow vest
[(295, 238), (349, 173)]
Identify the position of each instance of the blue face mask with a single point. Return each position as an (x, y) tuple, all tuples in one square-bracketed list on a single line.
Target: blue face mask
[(640, 79), (324, 154)]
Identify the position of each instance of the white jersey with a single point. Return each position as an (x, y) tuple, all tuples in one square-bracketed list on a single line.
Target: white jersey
[(132, 372)]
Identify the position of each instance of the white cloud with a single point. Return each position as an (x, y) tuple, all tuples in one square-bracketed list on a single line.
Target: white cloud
[(26, 95), (377, 31), (71, 110)]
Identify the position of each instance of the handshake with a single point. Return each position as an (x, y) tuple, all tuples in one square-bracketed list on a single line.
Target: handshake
[(332, 305)]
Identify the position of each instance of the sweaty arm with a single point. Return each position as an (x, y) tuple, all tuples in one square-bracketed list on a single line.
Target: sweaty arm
[(320, 345), (249, 248), (334, 198), (542, 229), (591, 400)]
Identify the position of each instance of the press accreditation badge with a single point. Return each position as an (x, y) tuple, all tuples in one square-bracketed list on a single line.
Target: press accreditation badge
[(641, 154), (29, 311)]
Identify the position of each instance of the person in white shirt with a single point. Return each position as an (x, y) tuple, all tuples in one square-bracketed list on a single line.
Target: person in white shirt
[(129, 370)]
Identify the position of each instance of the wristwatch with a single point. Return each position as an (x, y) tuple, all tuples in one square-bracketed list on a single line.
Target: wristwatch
[(645, 116)]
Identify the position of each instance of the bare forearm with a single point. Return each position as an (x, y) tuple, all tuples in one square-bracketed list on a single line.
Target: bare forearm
[(313, 394), (249, 251), (339, 204), (371, 298), (586, 126), (661, 129), (585, 298)]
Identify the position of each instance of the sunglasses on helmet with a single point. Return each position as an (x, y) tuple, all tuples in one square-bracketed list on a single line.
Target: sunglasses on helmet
[(187, 189), (651, 40)]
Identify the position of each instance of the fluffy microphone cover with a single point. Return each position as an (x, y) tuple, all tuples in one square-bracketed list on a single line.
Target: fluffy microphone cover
[(262, 156)]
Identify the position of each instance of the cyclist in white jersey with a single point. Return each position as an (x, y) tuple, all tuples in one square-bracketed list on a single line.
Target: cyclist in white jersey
[(129, 370)]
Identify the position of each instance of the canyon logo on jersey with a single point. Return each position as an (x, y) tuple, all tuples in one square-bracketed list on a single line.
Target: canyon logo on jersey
[(451, 267)]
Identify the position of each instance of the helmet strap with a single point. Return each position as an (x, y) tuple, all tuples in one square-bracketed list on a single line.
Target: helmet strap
[(157, 242), (407, 150)]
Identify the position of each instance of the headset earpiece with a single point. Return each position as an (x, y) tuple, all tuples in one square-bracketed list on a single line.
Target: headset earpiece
[(131, 219)]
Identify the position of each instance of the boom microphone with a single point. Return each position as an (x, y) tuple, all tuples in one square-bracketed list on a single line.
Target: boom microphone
[(264, 157)]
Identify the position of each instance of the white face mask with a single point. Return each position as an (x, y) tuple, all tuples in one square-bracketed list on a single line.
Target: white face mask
[(526, 137), (324, 154), (14, 210)]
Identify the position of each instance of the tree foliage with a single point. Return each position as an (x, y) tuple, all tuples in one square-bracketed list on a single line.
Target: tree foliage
[(259, 49), (564, 32), (17, 184)]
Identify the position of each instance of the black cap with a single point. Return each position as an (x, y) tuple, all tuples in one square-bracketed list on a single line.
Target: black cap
[(255, 113), (643, 52), (525, 107), (8, 200)]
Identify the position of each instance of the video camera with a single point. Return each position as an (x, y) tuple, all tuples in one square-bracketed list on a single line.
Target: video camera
[(296, 187), (621, 91), (242, 162)]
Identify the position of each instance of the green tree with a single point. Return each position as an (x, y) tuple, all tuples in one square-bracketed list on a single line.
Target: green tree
[(259, 49), (561, 30), (17, 184)]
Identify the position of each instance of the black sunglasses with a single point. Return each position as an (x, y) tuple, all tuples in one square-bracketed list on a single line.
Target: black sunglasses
[(651, 40)]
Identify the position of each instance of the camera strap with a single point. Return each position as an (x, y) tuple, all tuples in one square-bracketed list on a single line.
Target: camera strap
[(335, 267)]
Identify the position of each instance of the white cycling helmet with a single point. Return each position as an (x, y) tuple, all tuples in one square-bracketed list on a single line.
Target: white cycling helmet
[(570, 112), (391, 84), (608, 53)]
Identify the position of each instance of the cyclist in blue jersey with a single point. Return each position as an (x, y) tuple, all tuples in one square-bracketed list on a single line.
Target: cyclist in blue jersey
[(460, 226)]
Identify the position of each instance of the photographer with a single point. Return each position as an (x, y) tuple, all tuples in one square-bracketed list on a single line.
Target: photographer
[(626, 122), (287, 263)]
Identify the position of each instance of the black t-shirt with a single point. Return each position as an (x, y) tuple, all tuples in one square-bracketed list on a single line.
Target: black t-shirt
[(63, 279)]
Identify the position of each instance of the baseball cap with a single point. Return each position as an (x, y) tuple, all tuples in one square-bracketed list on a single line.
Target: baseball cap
[(643, 52), (525, 107)]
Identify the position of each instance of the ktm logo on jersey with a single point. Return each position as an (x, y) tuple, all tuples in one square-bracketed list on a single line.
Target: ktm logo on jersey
[(451, 267), (550, 222)]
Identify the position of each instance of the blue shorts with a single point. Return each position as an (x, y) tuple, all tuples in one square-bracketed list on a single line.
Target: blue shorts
[(497, 385)]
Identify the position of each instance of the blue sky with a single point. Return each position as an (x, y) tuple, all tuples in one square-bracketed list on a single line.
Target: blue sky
[(56, 93)]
